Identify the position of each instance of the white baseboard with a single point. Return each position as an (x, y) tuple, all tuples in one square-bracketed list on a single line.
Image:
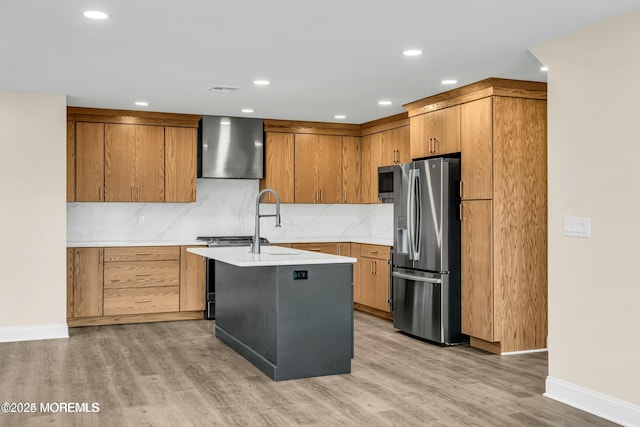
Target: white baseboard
[(511, 353), (603, 406), (34, 332)]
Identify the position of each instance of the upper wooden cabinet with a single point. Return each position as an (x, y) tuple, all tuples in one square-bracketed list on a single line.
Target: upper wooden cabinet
[(134, 163), (318, 171), (351, 169), (130, 156), (278, 167), (476, 143), (180, 156), (435, 133), (89, 162), (385, 143)]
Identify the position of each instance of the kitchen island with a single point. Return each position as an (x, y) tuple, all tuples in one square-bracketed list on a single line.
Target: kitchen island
[(289, 312)]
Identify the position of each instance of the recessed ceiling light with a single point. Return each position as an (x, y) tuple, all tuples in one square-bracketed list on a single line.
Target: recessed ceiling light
[(142, 103), (339, 116), (247, 110), (412, 52), (544, 68), (449, 82), (384, 102), (95, 14), (261, 82)]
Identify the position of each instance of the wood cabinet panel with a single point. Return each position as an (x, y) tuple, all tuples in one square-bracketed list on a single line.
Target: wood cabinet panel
[(306, 168), (163, 299), (344, 249), (372, 158), (87, 282), (89, 167), (142, 253), (71, 161), (325, 248), (134, 163), (70, 280), (180, 164), (279, 167), (374, 289), (351, 169), (329, 173), (477, 294), (375, 251), (140, 274), (435, 133), (192, 281), (401, 143), (476, 145), (520, 220), (357, 281)]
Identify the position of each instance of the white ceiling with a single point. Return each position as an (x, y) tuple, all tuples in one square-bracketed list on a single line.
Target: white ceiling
[(322, 57)]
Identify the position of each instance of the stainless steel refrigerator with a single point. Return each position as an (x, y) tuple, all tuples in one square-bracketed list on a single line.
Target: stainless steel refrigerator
[(425, 276)]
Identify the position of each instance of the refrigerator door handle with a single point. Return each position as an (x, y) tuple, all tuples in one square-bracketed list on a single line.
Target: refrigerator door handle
[(415, 278), (417, 241), (410, 219)]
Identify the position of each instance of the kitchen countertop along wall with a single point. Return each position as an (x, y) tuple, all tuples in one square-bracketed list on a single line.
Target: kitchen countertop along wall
[(224, 207)]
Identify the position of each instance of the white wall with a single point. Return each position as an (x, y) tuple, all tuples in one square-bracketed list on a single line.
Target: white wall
[(223, 208), (594, 171), (32, 218)]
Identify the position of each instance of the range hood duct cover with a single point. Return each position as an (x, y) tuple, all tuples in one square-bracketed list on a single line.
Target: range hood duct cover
[(230, 147)]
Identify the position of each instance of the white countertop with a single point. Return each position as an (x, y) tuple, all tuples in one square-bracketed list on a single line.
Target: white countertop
[(367, 240), (269, 256), (194, 242), (117, 243)]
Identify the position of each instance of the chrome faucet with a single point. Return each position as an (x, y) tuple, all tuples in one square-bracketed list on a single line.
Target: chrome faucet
[(256, 237)]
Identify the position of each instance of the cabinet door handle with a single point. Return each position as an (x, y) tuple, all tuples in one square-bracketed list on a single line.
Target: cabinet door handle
[(461, 189), (461, 216), (371, 267), (320, 196), (375, 268), (138, 301), (435, 145), (316, 196), (345, 196), (430, 145)]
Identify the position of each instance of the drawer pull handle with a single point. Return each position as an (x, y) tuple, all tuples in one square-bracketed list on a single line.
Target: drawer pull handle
[(142, 300), (374, 252), (143, 274), (144, 253)]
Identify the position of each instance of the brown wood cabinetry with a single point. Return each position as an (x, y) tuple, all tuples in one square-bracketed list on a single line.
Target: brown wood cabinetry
[(318, 172), (503, 211), (89, 162), (180, 164), (279, 167), (351, 169), (130, 156), (134, 284), (193, 270), (324, 247), (84, 282), (385, 142), (435, 133), (372, 280)]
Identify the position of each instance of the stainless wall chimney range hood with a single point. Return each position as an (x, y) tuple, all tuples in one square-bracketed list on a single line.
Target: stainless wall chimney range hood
[(230, 147)]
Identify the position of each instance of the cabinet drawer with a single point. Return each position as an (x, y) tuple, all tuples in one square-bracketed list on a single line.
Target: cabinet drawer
[(375, 251), (142, 253), (325, 248), (162, 299), (141, 274)]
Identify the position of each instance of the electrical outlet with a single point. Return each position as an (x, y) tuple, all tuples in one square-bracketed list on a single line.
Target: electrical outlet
[(577, 226)]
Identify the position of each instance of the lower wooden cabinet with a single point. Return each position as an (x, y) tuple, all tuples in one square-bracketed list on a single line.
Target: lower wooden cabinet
[(134, 284), (372, 283), (325, 248)]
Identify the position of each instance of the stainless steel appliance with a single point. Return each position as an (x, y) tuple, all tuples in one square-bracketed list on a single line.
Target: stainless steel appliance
[(425, 281), (220, 242), (230, 147)]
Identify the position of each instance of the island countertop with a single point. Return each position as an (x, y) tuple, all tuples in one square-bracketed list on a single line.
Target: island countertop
[(269, 256)]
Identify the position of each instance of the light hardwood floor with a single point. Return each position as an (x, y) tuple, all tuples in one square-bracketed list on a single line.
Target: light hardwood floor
[(178, 374)]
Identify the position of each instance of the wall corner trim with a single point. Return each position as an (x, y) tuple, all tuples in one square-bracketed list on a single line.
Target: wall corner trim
[(34, 332), (603, 406)]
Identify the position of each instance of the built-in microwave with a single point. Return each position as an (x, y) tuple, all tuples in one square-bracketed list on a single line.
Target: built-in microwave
[(385, 183)]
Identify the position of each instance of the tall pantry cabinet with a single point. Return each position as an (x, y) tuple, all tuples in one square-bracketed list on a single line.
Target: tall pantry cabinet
[(503, 187)]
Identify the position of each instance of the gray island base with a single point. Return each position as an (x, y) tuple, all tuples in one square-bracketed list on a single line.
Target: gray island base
[(290, 321)]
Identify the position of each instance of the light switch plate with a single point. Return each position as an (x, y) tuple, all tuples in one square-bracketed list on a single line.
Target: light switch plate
[(577, 226)]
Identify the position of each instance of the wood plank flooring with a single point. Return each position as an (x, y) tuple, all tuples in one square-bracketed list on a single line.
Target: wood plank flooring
[(178, 374)]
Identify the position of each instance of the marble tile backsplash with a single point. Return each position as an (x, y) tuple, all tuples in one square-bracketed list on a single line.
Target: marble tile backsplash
[(223, 207)]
